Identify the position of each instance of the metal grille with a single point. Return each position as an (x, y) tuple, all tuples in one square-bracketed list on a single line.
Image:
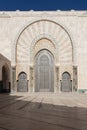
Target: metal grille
[(22, 82), (66, 82), (44, 75)]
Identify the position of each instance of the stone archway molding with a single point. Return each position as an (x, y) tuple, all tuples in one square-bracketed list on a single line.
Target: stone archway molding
[(32, 22)]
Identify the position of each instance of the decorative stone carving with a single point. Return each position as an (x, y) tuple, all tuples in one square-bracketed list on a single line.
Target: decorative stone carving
[(75, 75), (31, 79), (66, 85), (44, 74), (13, 83)]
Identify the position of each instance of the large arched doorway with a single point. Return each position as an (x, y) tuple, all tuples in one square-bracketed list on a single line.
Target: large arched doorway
[(44, 72), (59, 45), (22, 82), (66, 85)]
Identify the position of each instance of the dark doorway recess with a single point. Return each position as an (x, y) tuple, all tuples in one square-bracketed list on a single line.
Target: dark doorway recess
[(5, 84)]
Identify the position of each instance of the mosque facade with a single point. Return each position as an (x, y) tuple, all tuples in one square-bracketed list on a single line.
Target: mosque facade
[(43, 51)]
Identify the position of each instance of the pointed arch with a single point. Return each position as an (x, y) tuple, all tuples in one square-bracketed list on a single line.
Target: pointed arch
[(66, 85), (22, 82), (67, 31)]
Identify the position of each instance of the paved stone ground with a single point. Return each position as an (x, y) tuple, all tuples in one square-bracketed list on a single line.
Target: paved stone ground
[(43, 111)]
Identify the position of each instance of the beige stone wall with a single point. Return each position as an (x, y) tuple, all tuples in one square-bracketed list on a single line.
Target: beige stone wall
[(26, 31)]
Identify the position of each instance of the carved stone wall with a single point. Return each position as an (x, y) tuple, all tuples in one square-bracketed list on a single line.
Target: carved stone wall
[(23, 34), (40, 35), (27, 39)]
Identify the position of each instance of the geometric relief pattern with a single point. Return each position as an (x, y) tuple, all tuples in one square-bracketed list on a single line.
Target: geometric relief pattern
[(66, 85), (44, 74), (75, 75), (22, 82), (43, 27), (43, 44)]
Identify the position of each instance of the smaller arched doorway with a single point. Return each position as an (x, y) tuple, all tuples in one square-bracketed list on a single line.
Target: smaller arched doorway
[(22, 82), (66, 84), (5, 79)]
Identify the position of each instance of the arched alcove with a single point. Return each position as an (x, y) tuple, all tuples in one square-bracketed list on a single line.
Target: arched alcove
[(22, 82), (66, 84), (42, 35)]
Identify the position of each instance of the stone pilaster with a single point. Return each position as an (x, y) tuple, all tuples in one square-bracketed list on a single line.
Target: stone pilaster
[(75, 85), (31, 80), (57, 78), (13, 79)]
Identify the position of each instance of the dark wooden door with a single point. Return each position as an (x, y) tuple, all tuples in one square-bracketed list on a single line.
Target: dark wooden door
[(44, 75), (22, 82), (66, 85)]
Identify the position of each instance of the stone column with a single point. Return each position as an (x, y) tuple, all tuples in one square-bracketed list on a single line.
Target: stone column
[(56, 79), (13, 79), (75, 78), (31, 80)]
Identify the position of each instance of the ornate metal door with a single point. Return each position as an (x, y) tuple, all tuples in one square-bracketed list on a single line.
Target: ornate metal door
[(44, 75), (22, 82), (66, 83)]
